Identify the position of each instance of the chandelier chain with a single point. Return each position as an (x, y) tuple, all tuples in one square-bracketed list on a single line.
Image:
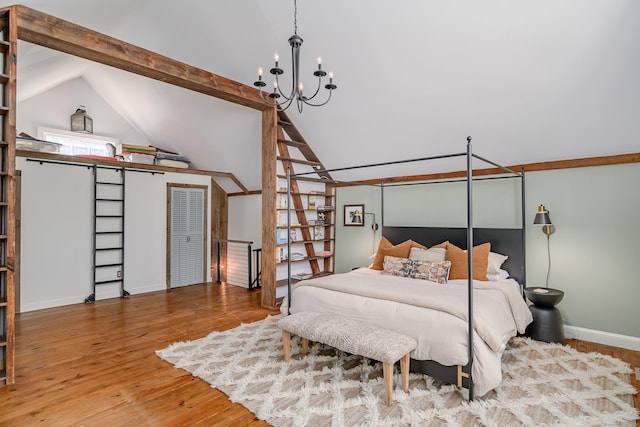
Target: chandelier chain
[(295, 16)]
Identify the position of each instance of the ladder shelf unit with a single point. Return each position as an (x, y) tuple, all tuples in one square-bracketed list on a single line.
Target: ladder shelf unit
[(9, 260), (312, 207)]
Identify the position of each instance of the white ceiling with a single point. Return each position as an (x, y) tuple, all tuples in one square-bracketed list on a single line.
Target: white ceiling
[(529, 80)]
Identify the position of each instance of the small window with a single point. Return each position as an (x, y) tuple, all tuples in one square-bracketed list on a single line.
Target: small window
[(76, 144)]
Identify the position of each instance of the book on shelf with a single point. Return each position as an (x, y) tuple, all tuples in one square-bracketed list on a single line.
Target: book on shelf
[(318, 233), (302, 276), (321, 217), (297, 256), (327, 253), (324, 208), (283, 201), (281, 236), (312, 203)]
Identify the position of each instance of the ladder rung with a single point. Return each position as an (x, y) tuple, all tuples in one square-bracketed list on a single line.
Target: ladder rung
[(102, 282), (109, 265), (109, 249), (4, 78), (109, 200), (109, 216), (299, 161), (296, 144), (110, 232), (301, 178), (109, 183)]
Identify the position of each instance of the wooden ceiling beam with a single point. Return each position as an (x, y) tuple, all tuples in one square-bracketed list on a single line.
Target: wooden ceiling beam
[(64, 36)]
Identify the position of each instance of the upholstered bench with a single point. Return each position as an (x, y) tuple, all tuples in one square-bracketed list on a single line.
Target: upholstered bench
[(352, 337)]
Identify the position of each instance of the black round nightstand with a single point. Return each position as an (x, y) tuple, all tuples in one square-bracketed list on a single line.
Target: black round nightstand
[(547, 322)]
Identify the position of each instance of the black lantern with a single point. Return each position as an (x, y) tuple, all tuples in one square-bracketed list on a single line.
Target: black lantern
[(81, 122)]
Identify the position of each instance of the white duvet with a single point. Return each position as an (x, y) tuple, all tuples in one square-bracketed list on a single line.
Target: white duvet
[(434, 314)]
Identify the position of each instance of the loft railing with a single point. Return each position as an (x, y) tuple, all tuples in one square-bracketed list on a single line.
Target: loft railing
[(239, 262)]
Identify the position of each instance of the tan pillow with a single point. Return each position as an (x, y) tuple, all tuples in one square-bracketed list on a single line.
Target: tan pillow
[(385, 248), (459, 265), (442, 245)]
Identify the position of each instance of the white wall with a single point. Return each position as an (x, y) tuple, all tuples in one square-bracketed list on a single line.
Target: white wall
[(56, 233), (53, 109), (594, 250), (245, 219)]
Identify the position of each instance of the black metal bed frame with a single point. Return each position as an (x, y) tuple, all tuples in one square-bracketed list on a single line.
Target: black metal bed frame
[(460, 375)]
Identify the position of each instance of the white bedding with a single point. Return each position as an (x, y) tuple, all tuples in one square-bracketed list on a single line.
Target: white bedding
[(434, 314)]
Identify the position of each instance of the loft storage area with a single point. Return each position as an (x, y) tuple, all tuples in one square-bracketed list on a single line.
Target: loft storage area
[(58, 141)]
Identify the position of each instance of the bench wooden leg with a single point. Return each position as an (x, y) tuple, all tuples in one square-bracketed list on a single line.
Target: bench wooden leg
[(286, 345), (305, 346), (387, 373), (404, 372)]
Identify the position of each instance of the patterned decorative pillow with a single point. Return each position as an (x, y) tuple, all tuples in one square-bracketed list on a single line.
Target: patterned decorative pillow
[(394, 266), (425, 270), (434, 271)]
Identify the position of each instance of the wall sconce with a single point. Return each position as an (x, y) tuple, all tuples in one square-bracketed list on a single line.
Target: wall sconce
[(80, 121), (374, 226), (542, 218)]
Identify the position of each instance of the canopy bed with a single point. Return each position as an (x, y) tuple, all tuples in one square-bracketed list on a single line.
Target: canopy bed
[(431, 299)]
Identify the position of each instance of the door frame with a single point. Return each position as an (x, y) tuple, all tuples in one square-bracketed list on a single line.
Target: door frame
[(170, 186)]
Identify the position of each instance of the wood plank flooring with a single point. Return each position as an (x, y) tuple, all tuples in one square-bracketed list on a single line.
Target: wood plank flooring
[(95, 364)]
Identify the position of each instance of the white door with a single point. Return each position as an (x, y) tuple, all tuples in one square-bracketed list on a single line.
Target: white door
[(187, 236)]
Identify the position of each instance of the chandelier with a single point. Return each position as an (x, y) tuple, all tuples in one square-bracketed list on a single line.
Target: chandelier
[(296, 95)]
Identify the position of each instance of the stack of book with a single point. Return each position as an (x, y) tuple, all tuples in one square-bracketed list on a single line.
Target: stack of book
[(136, 153)]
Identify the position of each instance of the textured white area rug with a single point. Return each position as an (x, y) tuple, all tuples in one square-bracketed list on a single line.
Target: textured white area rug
[(542, 384)]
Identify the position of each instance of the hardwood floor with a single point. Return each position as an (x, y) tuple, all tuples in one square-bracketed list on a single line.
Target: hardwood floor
[(95, 364)]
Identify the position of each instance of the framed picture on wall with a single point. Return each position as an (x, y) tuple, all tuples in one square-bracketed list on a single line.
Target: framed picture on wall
[(354, 215)]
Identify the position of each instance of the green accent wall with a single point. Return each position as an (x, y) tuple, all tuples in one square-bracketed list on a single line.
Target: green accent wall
[(595, 255)]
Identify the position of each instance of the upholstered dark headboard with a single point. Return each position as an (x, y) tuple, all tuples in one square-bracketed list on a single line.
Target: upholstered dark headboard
[(507, 241)]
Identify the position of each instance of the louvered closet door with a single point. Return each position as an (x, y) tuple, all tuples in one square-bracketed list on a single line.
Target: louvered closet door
[(187, 236)]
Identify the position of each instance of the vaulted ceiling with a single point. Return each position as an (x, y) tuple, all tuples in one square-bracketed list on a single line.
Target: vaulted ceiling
[(530, 81)]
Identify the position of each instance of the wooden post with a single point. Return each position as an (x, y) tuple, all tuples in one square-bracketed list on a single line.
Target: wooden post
[(269, 220), (219, 228)]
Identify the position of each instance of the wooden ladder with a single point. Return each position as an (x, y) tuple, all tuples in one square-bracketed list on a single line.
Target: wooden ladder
[(297, 141)]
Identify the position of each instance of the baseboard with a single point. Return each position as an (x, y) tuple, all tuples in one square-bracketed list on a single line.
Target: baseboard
[(41, 305), (102, 293), (601, 337)]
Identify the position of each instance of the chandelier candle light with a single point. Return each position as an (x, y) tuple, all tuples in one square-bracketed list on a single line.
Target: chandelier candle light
[(297, 87)]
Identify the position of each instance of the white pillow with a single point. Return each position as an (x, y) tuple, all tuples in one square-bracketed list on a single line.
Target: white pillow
[(495, 262), (502, 275), (432, 255)]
